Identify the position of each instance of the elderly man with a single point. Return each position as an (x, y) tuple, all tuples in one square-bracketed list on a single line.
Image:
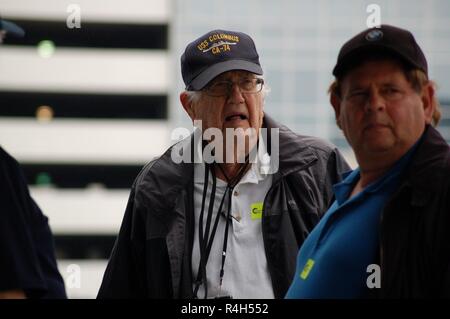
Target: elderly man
[(28, 266), (387, 234), (228, 226)]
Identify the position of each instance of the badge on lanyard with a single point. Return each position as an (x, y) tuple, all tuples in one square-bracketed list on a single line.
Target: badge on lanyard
[(256, 210)]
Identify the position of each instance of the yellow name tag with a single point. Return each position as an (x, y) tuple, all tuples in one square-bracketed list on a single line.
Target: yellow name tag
[(256, 210), (307, 269)]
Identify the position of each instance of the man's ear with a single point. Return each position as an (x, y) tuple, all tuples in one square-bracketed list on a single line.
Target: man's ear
[(335, 101), (187, 105), (427, 102)]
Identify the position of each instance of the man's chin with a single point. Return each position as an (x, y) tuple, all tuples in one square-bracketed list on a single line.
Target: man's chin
[(237, 124), (379, 146)]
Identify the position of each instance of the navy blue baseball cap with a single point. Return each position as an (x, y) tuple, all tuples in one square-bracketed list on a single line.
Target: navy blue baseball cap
[(11, 28), (216, 52), (386, 39)]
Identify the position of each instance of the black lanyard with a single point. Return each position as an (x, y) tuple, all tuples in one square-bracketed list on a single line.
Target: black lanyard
[(205, 238)]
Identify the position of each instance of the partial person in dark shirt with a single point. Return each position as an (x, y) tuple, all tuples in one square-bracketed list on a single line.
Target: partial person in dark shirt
[(28, 266)]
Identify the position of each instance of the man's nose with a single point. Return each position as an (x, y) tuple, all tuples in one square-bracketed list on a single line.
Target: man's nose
[(235, 96), (375, 101)]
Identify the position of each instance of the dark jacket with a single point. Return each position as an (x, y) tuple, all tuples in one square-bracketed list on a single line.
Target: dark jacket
[(152, 255), (27, 254), (415, 226)]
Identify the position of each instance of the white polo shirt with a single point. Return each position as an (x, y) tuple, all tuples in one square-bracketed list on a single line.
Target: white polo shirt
[(246, 273)]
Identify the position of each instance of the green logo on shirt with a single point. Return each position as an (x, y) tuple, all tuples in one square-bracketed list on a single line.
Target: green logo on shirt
[(256, 210), (307, 269)]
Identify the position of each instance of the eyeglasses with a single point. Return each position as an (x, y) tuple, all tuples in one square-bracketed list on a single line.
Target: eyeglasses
[(224, 88)]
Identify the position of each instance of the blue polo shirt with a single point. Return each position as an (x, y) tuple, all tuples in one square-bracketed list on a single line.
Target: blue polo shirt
[(333, 260)]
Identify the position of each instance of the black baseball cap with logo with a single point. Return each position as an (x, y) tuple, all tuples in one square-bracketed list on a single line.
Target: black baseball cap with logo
[(386, 39), (216, 52), (11, 28)]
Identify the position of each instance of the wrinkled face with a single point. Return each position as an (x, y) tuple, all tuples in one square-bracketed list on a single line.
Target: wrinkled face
[(238, 113), (379, 111), (238, 110)]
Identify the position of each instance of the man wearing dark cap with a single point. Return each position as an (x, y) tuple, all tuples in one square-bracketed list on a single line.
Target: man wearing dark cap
[(226, 227), (27, 260), (387, 235)]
